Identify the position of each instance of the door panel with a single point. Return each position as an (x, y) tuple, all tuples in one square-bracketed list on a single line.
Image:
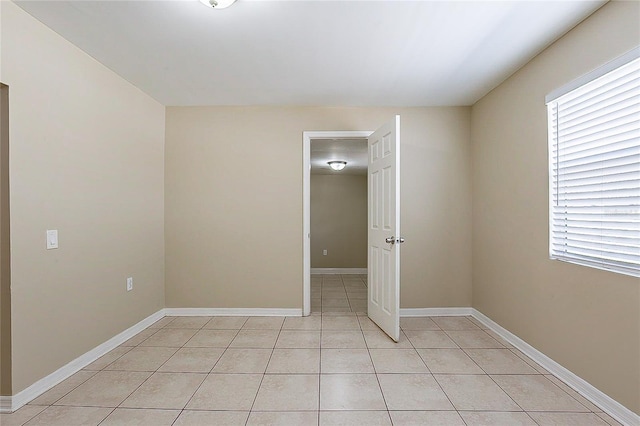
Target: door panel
[(384, 228)]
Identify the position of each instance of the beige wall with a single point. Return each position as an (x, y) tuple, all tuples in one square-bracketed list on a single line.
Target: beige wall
[(339, 221), (86, 159), (233, 215), (586, 319)]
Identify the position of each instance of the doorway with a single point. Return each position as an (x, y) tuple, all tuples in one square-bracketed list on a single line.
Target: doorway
[(339, 202), (319, 137), (383, 221)]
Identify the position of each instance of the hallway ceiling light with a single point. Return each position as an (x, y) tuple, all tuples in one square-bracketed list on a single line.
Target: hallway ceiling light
[(217, 4), (337, 165)]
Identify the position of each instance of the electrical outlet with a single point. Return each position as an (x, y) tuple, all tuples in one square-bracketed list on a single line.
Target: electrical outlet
[(324, 252), (129, 283)]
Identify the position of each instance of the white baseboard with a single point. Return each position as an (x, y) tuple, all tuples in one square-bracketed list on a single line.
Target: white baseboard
[(9, 404), (341, 271), (245, 312), (599, 398), (435, 312)]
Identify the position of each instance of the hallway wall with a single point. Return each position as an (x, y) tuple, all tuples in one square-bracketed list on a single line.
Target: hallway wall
[(339, 221)]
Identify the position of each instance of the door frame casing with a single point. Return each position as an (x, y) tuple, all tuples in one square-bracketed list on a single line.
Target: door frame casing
[(307, 136)]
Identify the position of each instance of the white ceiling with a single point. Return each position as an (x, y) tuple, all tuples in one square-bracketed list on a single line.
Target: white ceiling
[(353, 151), (298, 52)]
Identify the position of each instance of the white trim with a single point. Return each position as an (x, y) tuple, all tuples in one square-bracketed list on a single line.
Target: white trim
[(306, 223), (596, 73), (244, 312), (341, 271), (435, 312), (599, 398), (38, 388), (306, 204)]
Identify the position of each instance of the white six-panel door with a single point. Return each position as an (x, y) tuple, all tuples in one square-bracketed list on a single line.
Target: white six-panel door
[(384, 228)]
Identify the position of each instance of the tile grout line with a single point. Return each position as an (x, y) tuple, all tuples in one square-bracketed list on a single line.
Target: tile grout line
[(107, 416), (537, 373), (483, 370), (375, 372), (506, 393), (214, 364), (320, 370), (431, 372), (160, 366), (144, 381), (265, 371), (66, 393), (157, 370), (571, 396), (489, 376)]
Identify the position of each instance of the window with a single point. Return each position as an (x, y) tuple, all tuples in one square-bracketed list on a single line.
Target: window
[(594, 168)]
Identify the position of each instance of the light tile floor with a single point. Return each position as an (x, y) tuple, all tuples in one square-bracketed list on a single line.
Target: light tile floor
[(339, 293), (319, 370)]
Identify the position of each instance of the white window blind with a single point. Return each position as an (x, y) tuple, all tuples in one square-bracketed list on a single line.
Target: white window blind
[(594, 165)]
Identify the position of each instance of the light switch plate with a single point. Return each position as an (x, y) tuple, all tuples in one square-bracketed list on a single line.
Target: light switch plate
[(52, 239)]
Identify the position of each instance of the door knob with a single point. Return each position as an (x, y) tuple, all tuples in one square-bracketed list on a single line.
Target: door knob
[(390, 240), (400, 240)]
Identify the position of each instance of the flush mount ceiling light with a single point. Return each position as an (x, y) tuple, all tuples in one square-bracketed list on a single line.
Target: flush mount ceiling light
[(217, 4), (337, 165)]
